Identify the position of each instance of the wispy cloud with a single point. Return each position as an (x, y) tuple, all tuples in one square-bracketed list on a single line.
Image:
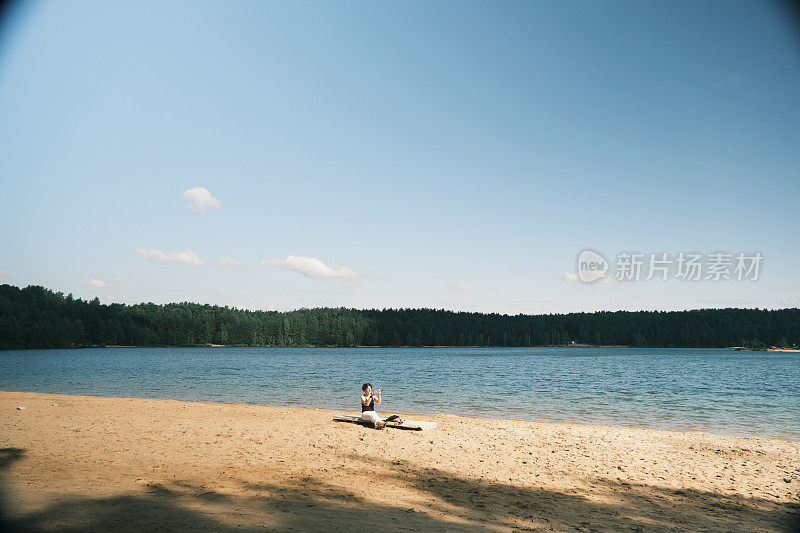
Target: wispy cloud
[(200, 199), (230, 261), (117, 279), (310, 267), (188, 257), (96, 283), (461, 287), (3, 272), (569, 276)]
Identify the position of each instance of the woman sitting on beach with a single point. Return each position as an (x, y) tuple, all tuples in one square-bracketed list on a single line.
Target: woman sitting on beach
[(368, 407)]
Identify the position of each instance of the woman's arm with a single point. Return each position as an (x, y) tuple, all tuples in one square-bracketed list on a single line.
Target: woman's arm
[(366, 399)]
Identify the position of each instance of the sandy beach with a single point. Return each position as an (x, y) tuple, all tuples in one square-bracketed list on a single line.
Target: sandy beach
[(81, 463)]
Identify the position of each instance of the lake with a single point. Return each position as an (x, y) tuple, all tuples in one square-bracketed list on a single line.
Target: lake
[(717, 390)]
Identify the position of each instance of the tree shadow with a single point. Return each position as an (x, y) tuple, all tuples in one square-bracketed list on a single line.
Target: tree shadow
[(442, 502), (621, 505), (305, 505), (8, 456), (155, 511)]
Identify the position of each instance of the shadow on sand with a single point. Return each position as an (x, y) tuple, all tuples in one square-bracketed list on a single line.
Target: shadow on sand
[(448, 503)]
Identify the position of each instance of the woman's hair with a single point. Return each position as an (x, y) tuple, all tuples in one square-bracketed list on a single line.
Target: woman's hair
[(365, 385)]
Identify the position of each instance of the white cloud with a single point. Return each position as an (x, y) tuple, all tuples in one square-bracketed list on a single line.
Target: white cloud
[(200, 199), (117, 279), (3, 272), (311, 267), (230, 261), (569, 276), (188, 257), (461, 287), (96, 283)]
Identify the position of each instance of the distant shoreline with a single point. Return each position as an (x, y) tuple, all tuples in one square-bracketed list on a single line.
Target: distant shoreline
[(732, 348), (36, 317)]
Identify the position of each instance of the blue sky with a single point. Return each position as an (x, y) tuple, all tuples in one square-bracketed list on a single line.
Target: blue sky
[(450, 155)]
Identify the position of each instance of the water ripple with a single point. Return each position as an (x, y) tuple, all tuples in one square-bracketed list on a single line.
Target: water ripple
[(743, 393)]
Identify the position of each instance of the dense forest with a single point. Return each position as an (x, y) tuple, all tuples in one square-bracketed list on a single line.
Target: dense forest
[(35, 317)]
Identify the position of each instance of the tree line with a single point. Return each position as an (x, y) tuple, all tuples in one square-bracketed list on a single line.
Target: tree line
[(36, 317)]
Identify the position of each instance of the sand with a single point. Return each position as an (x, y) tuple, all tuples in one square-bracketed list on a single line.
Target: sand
[(82, 463)]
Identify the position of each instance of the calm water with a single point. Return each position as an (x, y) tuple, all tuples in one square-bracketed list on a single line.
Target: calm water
[(740, 393)]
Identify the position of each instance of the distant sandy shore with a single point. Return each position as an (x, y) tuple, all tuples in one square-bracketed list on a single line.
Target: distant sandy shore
[(82, 463)]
